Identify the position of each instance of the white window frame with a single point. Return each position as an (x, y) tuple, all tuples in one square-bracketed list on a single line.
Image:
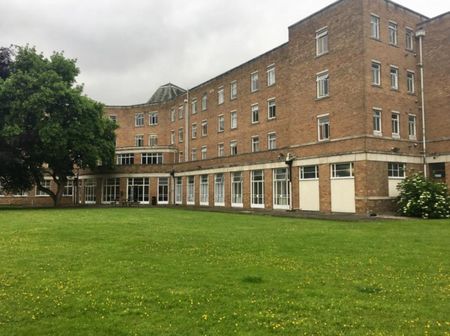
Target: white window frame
[(260, 195), (219, 189), (194, 106), (204, 152), (270, 72), (377, 115), (322, 41), (194, 154), (172, 137), (255, 144), (204, 128), (180, 135), (409, 39), (125, 159), (173, 114), (204, 190), (90, 191), (68, 189), (221, 123), (153, 118), (394, 74), (255, 112), (254, 81), (396, 170), (139, 140), (233, 120), (395, 124), (46, 183), (335, 172), (205, 102), (152, 140), (237, 185), (139, 119), (233, 90), (271, 140), (190, 190), (145, 186), (410, 81), (220, 149), (181, 112), (233, 148), (151, 158), (163, 198), (271, 108), (376, 73), (194, 131), (304, 174), (281, 189), (321, 126), (110, 190), (412, 127), (323, 84), (393, 33), (178, 190), (220, 96), (374, 26)]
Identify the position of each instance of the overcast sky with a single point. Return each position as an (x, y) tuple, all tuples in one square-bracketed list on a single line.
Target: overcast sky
[(127, 49)]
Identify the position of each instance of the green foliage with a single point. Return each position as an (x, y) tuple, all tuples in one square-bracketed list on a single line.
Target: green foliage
[(149, 271), (46, 121), (421, 197)]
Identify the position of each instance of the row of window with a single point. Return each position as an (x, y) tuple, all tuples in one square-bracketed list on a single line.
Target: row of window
[(139, 140), (392, 32), (395, 124), (393, 76), (139, 119), (146, 159)]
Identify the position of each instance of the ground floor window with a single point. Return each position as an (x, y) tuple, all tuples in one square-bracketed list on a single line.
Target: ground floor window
[(45, 184), (396, 169), (437, 170), (190, 190), (178, 190), (236, 189), (339, 170), (281, 194), (68, 188), (257, 189), (90, 187), (219, 190), (309, 172), (110, 190), (163, 190), (204, 200), (138, 189)]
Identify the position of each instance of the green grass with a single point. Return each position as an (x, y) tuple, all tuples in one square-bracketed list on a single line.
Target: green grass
[(179, 272)]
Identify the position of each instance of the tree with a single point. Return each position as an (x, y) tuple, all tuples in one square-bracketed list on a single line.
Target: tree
[(47, 126)]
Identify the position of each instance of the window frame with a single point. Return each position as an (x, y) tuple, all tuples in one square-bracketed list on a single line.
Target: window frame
[(394, 73), (271, 75), (139, 119), (153, 118), (255, 144), (376, 73), (271, 140), (395, 124), (255, 108), (320, 130), (322, 41), (377, 120), (375, 26), (233, 120), (335, 173), (393, 33), (254, 81), (322, 84)]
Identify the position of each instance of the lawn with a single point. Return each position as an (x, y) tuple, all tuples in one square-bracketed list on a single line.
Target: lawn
[(145, 271)]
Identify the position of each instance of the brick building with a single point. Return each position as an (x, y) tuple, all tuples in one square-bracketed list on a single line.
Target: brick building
[(329, 121)]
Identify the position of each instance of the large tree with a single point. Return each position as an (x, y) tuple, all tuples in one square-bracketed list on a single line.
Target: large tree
[(47, 126)]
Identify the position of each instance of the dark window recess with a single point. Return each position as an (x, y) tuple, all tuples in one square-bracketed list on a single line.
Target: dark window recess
[(437, 170)]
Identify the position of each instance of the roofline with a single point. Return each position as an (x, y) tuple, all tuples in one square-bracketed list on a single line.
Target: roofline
[(339, 1), (434, 18)]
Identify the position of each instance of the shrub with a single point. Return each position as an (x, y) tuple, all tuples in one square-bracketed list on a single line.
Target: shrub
[(421, 197)]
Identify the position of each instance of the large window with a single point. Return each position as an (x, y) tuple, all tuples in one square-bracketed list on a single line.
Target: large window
[(111, 188), (281, 194), (204, 195), (257, 189), (322, 80), (219, 190), (396, 169), (255, 143), (392, 27), (153, 118), (412, 120), (90, 188), (323, 128), (178, 190), (322, 41), (125, 159), (233, 121), (236, 189), (375, 27), (394, 78), (309, 172), (255, 113), (376, 73), (190, 195), (45, 184), (139, 119), (395, 122), (138, 189), (233, 90), (270, 75), (410, 82), (376, 121), (220, 96), (151, 158), (341, 170), (254, 82), (163, 190)]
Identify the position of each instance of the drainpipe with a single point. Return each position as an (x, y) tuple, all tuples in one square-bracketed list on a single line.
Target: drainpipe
[(186, 126), (289, 160), (421, 34)]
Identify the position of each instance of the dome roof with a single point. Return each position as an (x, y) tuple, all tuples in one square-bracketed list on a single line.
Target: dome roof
[(166, 93)]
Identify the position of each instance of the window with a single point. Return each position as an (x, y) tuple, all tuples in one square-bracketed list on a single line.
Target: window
[(153, 118), (342, 170), (271, 141), (180, 134), (396, 169), (233, 122), (257, 189), (180, 157), (111, 190), (395, 122), (113, 118), (271, 75), (163, 190), (194, 154), (437, 170), (220, 150), (233, 90), (204, 128), (172, 137), (90, 187), (194, 106), (180, 112), (410, 82), (204, 152), (220, 96), (255, 113), (255, 143), (233, 147), (138, 189), (139, 140), (376, 121), (323, 127), (412, 127), (409, 39), (254, 80), (139, 119), (204, 200), (375, 27), (219, 190), (221, 124), (45, 184), (204, 101), (271, 109), (392, 28), (394, 78), (190, 190), (236, 189), (173, 114), (178, 190), (281, 195), (376, 73), (194, 130), (125, 159), (151, 158), (322, 41), (153, 140), (68, 188), (322, 80), (309, 172)]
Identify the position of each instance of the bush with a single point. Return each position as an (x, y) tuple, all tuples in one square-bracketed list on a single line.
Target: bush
[(421, 197)]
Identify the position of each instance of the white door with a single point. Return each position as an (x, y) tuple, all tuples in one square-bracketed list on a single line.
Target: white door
[(343, 195)]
